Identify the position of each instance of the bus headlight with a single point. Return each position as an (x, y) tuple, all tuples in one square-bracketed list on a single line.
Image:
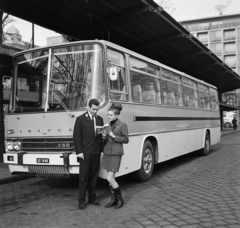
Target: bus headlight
[(10, 145), (17, 145)]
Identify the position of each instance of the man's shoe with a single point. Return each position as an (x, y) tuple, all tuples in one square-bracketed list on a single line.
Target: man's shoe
[(95, 202), (82, 206)]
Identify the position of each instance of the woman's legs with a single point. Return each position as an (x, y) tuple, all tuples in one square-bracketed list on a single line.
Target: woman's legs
[(118, 200), (111, 180)]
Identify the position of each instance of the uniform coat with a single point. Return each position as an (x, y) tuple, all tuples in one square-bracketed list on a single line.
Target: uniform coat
[(89, 143), (114, 146), (85, 140)]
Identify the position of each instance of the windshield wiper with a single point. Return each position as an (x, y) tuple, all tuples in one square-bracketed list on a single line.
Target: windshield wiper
[(62, 104)]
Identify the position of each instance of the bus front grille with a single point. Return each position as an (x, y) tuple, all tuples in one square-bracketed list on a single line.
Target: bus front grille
[(47, 145), (48, 169)]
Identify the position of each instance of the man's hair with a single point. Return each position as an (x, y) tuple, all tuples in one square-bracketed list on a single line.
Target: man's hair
[(93, 102)]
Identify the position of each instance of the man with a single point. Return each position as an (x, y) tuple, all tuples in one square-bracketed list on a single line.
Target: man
[(88, 146), (234, 123)]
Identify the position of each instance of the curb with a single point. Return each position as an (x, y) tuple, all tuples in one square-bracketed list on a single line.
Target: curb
[(229, 132)]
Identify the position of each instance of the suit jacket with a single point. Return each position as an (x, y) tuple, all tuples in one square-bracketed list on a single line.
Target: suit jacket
[(84, 137), (115, 146)]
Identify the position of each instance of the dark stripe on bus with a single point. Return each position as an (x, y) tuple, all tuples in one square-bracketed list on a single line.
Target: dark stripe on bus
[(156, 118)]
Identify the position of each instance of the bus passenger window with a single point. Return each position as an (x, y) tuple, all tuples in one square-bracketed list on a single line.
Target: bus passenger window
[(186, 100), (190, 96), (118, 86), (170, 99), (116, 68), (213, 99), (137, 93), (164, 98), (148, 93), (178, 99)]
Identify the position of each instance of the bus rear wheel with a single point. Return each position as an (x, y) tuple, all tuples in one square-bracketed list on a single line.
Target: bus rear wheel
[(206, 149), (145, 172)]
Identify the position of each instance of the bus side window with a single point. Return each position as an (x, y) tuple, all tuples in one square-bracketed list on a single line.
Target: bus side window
[(157, 90), (148, 94), (118, 86), (137, 93), (117, 75), (213, 99)]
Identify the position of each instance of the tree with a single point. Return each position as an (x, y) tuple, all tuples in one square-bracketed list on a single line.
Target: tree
[(5, 19), (167, 5)]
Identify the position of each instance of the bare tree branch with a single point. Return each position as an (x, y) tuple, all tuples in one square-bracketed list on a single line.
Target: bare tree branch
[(5, 19), (167, 5)]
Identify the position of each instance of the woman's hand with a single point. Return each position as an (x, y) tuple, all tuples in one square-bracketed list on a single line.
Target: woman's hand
[(110, 133)]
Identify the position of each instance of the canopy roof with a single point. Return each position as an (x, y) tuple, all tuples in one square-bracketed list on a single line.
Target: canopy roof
[(139, 25)]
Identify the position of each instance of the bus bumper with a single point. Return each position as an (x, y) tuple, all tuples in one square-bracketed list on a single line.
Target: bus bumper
[(55, 163)]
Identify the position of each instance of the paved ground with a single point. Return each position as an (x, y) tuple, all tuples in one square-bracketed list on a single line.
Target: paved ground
[(186, 192)]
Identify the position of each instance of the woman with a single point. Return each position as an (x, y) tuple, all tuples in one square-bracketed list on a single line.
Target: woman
[(117, 134)]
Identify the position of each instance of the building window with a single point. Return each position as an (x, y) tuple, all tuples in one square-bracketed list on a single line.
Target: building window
[(229, 34), (203, 37), (230, 60), (204, 26), (216, 35), (238, 34), (238, 46), (216, 48), (230, 47)]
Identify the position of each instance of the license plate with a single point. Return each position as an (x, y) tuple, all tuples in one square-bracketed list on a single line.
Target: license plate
[(42, 160)]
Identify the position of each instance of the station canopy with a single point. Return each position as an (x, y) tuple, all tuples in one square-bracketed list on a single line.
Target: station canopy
[(139, 25)]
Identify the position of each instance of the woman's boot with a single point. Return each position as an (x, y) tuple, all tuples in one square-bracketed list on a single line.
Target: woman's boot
[(113, 198), (119, 197)]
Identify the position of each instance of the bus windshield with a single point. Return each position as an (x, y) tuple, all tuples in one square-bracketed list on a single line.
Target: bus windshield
[(76, 75)]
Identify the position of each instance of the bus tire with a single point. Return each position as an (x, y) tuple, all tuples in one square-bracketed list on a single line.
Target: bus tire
[(147, 163), (206, 149)]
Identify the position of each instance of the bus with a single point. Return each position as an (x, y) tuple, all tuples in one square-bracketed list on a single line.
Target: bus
[(168, 112)]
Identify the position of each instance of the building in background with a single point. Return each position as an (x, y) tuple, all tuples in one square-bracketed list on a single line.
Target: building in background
[(221, 34), (56, 40), (13, 38)]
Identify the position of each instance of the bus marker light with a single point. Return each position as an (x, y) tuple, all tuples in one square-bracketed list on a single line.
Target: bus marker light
[(10, 158), (10, 131)]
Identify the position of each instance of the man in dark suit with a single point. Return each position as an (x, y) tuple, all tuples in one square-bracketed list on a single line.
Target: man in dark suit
[(88, 146)]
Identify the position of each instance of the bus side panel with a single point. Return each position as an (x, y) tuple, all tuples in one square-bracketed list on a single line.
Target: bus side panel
[(165, 146), (215, 134), (184, 142), (200, 138)]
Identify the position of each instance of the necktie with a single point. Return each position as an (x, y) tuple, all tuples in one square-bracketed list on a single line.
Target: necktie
[(94, 124)]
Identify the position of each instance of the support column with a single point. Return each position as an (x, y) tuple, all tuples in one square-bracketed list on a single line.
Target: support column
[(5, 69)]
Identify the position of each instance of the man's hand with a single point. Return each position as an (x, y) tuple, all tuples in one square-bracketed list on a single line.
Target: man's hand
[(81, 156)]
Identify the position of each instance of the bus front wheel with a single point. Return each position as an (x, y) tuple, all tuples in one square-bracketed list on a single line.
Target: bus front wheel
[(206, 149), (145, 172)]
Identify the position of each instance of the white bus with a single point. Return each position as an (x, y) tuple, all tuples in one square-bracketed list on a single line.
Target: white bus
[(168, 113)]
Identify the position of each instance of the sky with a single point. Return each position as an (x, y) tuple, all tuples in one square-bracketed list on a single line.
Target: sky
[(185, 9), (192, 9)]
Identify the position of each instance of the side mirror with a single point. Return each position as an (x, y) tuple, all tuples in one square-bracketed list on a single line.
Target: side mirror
[(113, 73)]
